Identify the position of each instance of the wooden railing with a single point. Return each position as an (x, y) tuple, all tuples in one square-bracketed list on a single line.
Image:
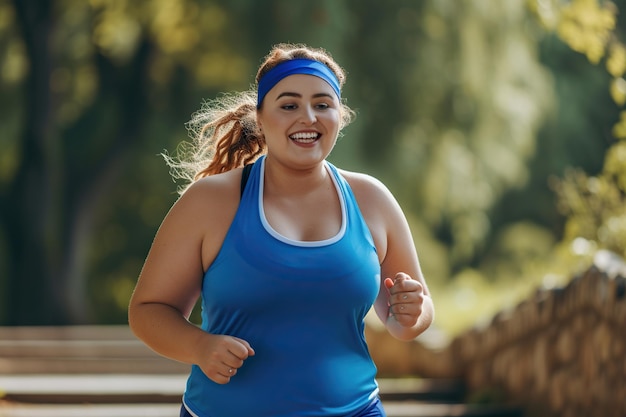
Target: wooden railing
[(560, 353)]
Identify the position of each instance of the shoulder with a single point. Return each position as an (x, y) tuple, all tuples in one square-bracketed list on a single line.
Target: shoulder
[(226, 184), (378, 206), (368, 190), (208, 199), (202, 215)]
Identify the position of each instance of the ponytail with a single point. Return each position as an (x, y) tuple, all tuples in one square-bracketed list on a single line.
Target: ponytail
[(225, 136), (235, 138)]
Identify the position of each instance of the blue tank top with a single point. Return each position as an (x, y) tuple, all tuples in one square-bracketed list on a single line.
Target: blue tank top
[(300, 305)]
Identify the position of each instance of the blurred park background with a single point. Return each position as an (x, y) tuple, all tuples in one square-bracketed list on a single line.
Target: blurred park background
[(496, 123)]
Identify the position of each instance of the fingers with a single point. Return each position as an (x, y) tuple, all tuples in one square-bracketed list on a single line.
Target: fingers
[(403, 285), (406, 297), (223, 357), (388, 283), (228, 371), (246, 345)]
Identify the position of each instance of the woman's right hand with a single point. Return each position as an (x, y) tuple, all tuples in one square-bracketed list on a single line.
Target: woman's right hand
[(221, 356)]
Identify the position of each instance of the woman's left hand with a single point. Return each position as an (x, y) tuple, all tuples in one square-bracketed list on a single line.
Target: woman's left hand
[(406, 297)]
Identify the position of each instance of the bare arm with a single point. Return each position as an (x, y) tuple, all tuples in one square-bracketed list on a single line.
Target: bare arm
[(170, 281), (403, 304)]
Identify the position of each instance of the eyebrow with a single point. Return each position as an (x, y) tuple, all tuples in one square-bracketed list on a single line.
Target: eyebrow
[(290, 94)]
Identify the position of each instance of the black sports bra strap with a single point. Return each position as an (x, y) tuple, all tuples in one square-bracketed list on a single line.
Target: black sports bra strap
[(244, 176)]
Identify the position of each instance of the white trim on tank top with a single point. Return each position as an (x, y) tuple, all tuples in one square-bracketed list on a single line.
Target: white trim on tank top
[(304, 243)]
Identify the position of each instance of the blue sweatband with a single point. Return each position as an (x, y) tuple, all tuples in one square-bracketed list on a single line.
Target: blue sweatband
[(295, 66)]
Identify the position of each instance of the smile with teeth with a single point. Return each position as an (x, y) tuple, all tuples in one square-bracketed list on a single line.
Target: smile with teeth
[(305, 137)]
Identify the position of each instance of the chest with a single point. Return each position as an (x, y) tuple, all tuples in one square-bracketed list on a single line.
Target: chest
[(256, 272), (315, 216)]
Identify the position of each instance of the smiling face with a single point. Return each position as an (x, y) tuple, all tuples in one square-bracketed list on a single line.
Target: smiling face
[(300, 119)]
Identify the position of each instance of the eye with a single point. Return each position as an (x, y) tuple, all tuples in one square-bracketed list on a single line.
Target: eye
[(288, 107), (322, 106)]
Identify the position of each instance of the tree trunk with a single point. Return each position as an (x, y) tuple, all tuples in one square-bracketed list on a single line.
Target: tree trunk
[(55, 195), (33, 296)]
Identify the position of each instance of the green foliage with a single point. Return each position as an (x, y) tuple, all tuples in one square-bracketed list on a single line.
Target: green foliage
[(576, 158), (595, 208), (482, 97), (594, 204), (465, 109)]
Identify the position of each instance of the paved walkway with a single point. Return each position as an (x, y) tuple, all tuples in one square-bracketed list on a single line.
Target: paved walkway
[(96, 384)]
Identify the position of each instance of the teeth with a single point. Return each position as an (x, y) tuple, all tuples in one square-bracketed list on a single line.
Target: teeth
[(303, 137)]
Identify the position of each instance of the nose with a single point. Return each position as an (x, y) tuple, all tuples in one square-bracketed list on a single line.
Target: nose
[(308, 115)]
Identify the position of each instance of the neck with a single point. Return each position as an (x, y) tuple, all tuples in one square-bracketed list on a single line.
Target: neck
[(280, 178)]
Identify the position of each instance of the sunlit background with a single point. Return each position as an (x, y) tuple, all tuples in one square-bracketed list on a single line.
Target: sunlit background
[(495, 123)]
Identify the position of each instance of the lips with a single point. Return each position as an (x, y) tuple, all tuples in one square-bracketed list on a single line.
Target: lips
[(305, 137)]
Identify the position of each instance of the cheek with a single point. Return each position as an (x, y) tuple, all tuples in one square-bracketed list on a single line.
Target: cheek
[(330, 114), (333, 119), (279, 119)]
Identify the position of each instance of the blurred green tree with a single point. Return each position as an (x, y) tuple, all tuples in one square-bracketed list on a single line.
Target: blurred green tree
[(467, 95), (90, 84), (464, 109), (593, 202), (94, 92)]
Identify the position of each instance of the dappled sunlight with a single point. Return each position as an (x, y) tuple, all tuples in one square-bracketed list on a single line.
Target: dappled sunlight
[(112, 293), (586, 26), (472, 143), (211, 68), (595, 206), (464, 117), (171, 25), (116, 33), (8, 156), (468, 301), (512, 270), (432, 252), (472, 302), (122, 288), (14, 65), (618, 92)]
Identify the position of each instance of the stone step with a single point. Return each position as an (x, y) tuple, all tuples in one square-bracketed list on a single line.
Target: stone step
[(159, 395), (74, 349), (393, 409), (136, 388), (8, 409), (93, 388), (417, 409), (93, 371), (79, 349), (421, 389), (89, 365), (92, 333)]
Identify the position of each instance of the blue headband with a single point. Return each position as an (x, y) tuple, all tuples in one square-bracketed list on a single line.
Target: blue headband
[(295, 66)]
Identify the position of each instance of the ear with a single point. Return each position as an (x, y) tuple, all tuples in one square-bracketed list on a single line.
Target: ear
[(258, 122)]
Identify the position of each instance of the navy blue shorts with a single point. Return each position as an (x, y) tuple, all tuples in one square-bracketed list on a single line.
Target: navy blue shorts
[(375, 409)]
